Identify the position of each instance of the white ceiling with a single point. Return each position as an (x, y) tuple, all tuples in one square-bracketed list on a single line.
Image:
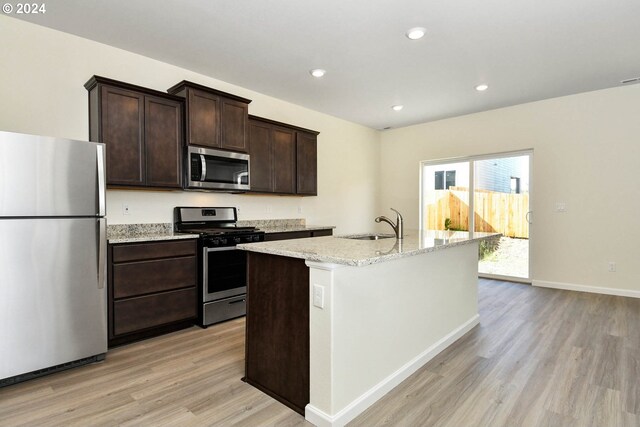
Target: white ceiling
[(525, 50)]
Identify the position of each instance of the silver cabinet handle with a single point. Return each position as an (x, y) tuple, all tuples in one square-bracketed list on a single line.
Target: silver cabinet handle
[(237, 301), (527, 217)]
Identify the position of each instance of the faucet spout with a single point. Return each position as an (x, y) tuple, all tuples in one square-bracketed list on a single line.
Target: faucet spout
[(398, 227)]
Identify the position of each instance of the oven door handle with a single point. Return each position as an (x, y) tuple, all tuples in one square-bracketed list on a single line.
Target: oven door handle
[(227, 248)]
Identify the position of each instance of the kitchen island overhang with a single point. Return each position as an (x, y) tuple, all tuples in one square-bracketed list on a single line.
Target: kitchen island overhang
[(387, 309)]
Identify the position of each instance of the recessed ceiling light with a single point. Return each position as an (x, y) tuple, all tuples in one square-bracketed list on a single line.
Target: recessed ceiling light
[(482, 88), (416, 33), (397, 107), (317, 72)]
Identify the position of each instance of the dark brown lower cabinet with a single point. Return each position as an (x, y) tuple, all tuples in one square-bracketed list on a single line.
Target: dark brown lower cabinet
[(277, 340), (152, 289)]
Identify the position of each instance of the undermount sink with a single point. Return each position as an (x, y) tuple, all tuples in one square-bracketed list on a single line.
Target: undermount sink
[(370, 237)]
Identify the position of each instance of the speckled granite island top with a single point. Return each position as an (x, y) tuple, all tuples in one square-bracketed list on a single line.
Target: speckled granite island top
[(342, 250)]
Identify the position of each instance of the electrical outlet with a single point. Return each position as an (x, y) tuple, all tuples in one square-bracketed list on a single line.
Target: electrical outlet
[(318, 296), (612, 267), (561, 207), (125, 209)]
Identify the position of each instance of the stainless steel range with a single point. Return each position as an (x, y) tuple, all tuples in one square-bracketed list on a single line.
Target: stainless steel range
[(223, 268)]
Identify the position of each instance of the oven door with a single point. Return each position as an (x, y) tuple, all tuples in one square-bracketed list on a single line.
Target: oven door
[(224, 273), (218, 170)]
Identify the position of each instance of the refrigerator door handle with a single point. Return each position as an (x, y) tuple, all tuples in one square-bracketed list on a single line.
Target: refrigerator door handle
[(102, 252), (101, 180)]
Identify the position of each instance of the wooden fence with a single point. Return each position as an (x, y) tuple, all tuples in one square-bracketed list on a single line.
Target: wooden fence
[(494, 212)]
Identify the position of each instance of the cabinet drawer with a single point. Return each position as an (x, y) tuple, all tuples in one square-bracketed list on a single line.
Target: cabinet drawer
[(142, 251), (132, 315), (138, 278)]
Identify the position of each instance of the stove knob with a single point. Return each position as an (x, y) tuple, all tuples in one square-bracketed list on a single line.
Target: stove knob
[(215, 242), (248, 239), (237, 239), (256, 238), (223, 241)]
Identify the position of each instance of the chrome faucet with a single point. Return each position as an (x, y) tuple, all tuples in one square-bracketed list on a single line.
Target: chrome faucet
[(397, 227)]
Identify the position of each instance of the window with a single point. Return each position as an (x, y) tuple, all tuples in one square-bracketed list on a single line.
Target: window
[(439, 180), (451, 179), (444, 180), (515, 185)]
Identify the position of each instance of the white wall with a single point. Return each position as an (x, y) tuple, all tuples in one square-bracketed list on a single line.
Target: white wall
[(41, 86), (586, 153)]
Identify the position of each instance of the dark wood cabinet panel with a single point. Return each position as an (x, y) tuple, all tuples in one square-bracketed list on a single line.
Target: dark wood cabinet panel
[(215, 119), (321, 233), (271, 237), (144, 251), (122, 132), (139, 278), (306, 163), (152, 288), (277, 340), (234, 125), (135, 314), (203, 118), (142, 130), (261, 161), (163, 137), (285, 235), (284, 157)]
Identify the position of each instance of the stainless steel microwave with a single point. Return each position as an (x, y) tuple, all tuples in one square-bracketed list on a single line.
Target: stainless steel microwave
[(217, 169)]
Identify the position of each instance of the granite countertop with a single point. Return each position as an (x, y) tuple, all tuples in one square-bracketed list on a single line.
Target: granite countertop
[(340, 250), (130, 233)]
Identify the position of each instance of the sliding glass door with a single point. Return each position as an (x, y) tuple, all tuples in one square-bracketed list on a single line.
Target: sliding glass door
[(488, 194)]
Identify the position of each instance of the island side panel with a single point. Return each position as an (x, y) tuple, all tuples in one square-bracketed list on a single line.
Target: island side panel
[(277, 339), (382, 322)]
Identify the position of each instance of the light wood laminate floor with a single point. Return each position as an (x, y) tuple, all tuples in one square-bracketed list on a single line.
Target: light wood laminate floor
[(540, 357)]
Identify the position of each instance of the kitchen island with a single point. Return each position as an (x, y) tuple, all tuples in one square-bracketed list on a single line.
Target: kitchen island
[(334, 323)]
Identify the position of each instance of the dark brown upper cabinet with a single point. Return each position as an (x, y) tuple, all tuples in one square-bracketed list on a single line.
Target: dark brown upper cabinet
[(283, 158), (261, 156), (142, 130), (307, 163), (215, 119)]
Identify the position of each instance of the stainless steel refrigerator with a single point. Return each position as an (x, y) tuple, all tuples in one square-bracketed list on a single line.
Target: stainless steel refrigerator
[(52, 255)]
